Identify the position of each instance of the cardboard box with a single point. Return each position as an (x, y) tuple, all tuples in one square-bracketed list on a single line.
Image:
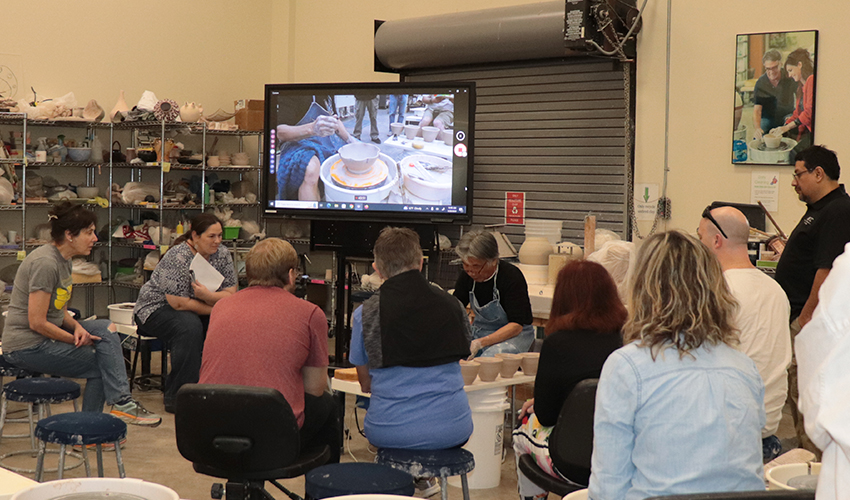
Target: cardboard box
[(250, 114)]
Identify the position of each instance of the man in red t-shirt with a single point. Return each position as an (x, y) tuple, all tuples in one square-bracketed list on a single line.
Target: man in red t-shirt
[(264, 336)]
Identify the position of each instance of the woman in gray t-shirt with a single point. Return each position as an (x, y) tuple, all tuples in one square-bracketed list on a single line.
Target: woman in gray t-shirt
[(42, 336)]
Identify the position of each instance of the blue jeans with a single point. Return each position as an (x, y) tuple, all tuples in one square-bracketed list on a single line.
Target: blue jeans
[(398, 106), (184, 332), (101, 364)]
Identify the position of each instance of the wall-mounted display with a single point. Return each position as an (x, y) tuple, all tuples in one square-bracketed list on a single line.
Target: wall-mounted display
[(775, 78)]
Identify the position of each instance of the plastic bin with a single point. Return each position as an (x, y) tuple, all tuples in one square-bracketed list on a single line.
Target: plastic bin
[(230, 233)]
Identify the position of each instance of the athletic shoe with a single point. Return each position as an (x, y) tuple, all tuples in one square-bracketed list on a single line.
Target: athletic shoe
[(135, 414), (427, 487), (104, 446)]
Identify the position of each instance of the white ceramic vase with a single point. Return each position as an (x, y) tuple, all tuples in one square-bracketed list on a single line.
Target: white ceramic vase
[(120, 110)]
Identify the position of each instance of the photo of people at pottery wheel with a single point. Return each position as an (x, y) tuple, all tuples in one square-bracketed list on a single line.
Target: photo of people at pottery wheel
[(364, 148), (775, 78)]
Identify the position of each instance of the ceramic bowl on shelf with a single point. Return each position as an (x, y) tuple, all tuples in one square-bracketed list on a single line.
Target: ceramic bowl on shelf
[(489, 369), (510, 364), (79, 154), (87, 192), (469, 371), (529, 362)]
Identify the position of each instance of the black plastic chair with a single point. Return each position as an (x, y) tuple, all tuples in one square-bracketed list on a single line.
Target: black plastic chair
[(743, 495), (247, 435), (570, 444)]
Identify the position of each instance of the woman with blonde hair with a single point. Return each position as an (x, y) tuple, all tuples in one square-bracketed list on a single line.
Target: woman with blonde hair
[(679, 409)]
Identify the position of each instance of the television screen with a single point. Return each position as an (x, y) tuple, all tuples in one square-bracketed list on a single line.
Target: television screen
[(378, 151)]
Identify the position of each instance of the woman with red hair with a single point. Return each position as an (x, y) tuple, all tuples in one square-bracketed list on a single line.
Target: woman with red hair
[(583, 329)]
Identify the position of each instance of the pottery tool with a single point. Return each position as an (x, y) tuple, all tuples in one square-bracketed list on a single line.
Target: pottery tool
[(772, 221)]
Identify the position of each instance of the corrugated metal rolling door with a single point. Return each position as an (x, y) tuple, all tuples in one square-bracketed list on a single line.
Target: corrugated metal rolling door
[(560, 132)]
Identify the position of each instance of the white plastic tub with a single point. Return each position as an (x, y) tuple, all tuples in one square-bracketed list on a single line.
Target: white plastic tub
[(137, 487), (121, 313)]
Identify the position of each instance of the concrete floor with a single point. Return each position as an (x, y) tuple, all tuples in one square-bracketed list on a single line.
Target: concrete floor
[(151, 454)]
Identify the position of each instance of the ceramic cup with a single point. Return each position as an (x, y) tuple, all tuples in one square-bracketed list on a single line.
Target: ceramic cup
[(12, 236), (469, 371), (529, 362), (510, 364), (489, 369), (410, 131)]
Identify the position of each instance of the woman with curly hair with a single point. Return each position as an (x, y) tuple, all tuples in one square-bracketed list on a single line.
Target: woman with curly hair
[(679, 409)]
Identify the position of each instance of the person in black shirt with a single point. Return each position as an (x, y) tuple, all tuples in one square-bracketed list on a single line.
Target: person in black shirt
[(773, 95), (583, 329), (817, 240), (498, 295)]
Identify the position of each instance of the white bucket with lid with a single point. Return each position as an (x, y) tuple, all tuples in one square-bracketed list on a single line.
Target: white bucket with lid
[(487, 440)]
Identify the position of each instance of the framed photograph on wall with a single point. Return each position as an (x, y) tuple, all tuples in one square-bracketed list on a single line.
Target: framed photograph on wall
[(775, 79)]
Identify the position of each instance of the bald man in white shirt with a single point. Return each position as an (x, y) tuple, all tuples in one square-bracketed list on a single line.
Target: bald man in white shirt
[(762, 315)]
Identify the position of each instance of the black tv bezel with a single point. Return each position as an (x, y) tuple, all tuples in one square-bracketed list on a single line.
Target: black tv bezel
[(464, 218)]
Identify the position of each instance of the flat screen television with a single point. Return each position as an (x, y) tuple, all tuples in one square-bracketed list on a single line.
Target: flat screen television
[(409, 161)]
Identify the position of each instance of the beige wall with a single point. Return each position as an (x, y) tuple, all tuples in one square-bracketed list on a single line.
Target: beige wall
[(211, 52), (702, 61), (217, 51), (702, 78)]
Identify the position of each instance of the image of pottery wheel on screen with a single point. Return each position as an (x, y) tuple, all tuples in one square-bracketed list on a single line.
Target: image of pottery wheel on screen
[(372, 185), (758, 152), (427, 179)]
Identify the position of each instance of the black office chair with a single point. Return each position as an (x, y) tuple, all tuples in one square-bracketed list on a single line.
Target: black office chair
[(570, 444), (247, 435), (743, 495)]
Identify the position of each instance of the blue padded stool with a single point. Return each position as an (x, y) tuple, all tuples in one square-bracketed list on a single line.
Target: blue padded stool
[(431, 463), (9, 370), (42, 391), (355, 478), (80, 428)]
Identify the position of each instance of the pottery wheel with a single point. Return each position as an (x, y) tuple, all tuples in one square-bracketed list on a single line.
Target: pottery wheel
[(372, 178), (784, 146)]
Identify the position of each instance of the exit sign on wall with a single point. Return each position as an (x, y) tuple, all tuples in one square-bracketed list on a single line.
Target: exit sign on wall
[(514, 208)]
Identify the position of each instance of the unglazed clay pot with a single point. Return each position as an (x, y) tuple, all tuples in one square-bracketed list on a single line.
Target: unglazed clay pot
[(469, 371), (510, 364), (410, 131), (190, 112), (430, 133), (535, 251), (120, 110), (489, 369), (529, 362)]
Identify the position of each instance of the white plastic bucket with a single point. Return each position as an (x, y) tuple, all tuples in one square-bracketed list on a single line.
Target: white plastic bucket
[(137, 487), (486, 445)]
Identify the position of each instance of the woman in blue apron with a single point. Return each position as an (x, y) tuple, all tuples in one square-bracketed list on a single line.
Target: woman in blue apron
[(497, 293)]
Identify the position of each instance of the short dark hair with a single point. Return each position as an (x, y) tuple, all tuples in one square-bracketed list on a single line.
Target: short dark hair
[(67, 216), (397, 250), (586, 298), (819, 156)]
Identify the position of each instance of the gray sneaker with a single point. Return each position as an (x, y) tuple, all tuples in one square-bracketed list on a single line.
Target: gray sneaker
[(135, 414)]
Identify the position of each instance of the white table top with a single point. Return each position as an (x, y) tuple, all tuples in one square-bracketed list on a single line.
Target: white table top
[(11, 483), (350, 387), (438, 148)]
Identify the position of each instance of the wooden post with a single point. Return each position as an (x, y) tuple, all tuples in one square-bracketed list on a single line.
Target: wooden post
[(589, 235)]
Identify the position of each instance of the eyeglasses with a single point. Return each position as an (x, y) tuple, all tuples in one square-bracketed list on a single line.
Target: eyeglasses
[(797, 175), (706, 214), (473, 268), (773, 68)]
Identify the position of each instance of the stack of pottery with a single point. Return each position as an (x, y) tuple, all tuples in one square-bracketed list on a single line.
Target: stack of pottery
[(240, 159), (489, 369), (510, 364), (224, 158), (469, 371)]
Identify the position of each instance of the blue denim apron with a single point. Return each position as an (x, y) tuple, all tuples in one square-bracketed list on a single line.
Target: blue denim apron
[(492, 316)]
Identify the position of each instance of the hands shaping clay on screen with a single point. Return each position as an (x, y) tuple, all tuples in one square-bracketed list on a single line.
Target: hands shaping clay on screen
[(323, 126)]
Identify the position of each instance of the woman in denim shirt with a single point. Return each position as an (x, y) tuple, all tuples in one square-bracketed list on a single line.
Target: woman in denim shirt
[(678, 409)]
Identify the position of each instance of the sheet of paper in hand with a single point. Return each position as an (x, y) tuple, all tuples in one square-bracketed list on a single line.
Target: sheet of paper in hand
[(205, 273)]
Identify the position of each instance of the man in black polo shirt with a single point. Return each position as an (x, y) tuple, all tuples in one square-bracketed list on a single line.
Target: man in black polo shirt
[(773, 95), (816, 241)]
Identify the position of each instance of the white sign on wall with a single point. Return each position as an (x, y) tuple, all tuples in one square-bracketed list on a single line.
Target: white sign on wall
[(646, 201), (765, 189)]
